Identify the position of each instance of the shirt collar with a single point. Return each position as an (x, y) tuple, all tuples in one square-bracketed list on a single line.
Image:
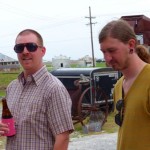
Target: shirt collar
[(36, 77)]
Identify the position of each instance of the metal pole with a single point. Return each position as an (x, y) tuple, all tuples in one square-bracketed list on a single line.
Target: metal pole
[(91, 36)]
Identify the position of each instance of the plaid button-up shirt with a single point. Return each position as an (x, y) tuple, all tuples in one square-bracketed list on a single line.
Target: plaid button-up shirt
[(41, 107)]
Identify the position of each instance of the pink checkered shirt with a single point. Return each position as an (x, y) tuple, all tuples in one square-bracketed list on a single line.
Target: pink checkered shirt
[(41, 107)]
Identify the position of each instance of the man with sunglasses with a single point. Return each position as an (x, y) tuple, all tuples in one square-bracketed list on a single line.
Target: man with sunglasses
[(40, 104), (121, 51)]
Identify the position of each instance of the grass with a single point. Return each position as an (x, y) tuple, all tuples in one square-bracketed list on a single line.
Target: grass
[(5, 79), (2, 93), (108, 127), (101, 64)]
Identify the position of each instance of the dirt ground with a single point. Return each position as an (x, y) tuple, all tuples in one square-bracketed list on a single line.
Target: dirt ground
[(94, 142)]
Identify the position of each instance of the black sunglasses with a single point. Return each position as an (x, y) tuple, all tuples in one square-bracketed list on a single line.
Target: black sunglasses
[(119, 115), (31, 47)]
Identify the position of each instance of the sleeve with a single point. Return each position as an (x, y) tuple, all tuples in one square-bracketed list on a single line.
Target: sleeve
[(59, 110)]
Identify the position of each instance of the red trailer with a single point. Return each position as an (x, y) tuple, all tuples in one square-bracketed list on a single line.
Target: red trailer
[(141, 26)]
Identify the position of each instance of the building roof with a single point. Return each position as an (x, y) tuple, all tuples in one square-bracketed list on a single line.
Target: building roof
[(61, 57), (4, 58), (140, 23), (141, 26)]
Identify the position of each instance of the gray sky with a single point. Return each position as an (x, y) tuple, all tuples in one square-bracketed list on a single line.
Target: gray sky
[(62, 23)]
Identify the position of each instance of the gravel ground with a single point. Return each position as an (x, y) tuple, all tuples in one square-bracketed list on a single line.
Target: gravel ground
[(94, 142)]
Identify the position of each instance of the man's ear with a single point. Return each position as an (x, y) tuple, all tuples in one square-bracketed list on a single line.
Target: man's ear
[(132, 44), (43, 51)]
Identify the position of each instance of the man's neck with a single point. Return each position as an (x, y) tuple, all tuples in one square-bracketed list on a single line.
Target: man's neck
[(133, 69), (131, 73)]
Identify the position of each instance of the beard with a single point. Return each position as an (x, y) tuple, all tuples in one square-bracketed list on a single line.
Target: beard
[(118, 65)]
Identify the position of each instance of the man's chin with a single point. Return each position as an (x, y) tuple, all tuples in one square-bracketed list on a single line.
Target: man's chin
[(114, 67), (26, 67)]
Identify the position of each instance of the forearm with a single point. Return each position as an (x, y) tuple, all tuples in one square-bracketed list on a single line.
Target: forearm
[(62, 141)]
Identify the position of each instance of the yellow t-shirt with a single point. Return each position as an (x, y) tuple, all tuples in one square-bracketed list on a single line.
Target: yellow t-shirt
[(134, 134)]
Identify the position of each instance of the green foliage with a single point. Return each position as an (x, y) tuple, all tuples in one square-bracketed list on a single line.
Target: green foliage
[(74, 65), (2, 93), (49, 66), (100, 64), (5, 79)]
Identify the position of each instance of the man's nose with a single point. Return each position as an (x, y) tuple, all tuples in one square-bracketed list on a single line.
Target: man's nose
[(25, 50), (107, 57)]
